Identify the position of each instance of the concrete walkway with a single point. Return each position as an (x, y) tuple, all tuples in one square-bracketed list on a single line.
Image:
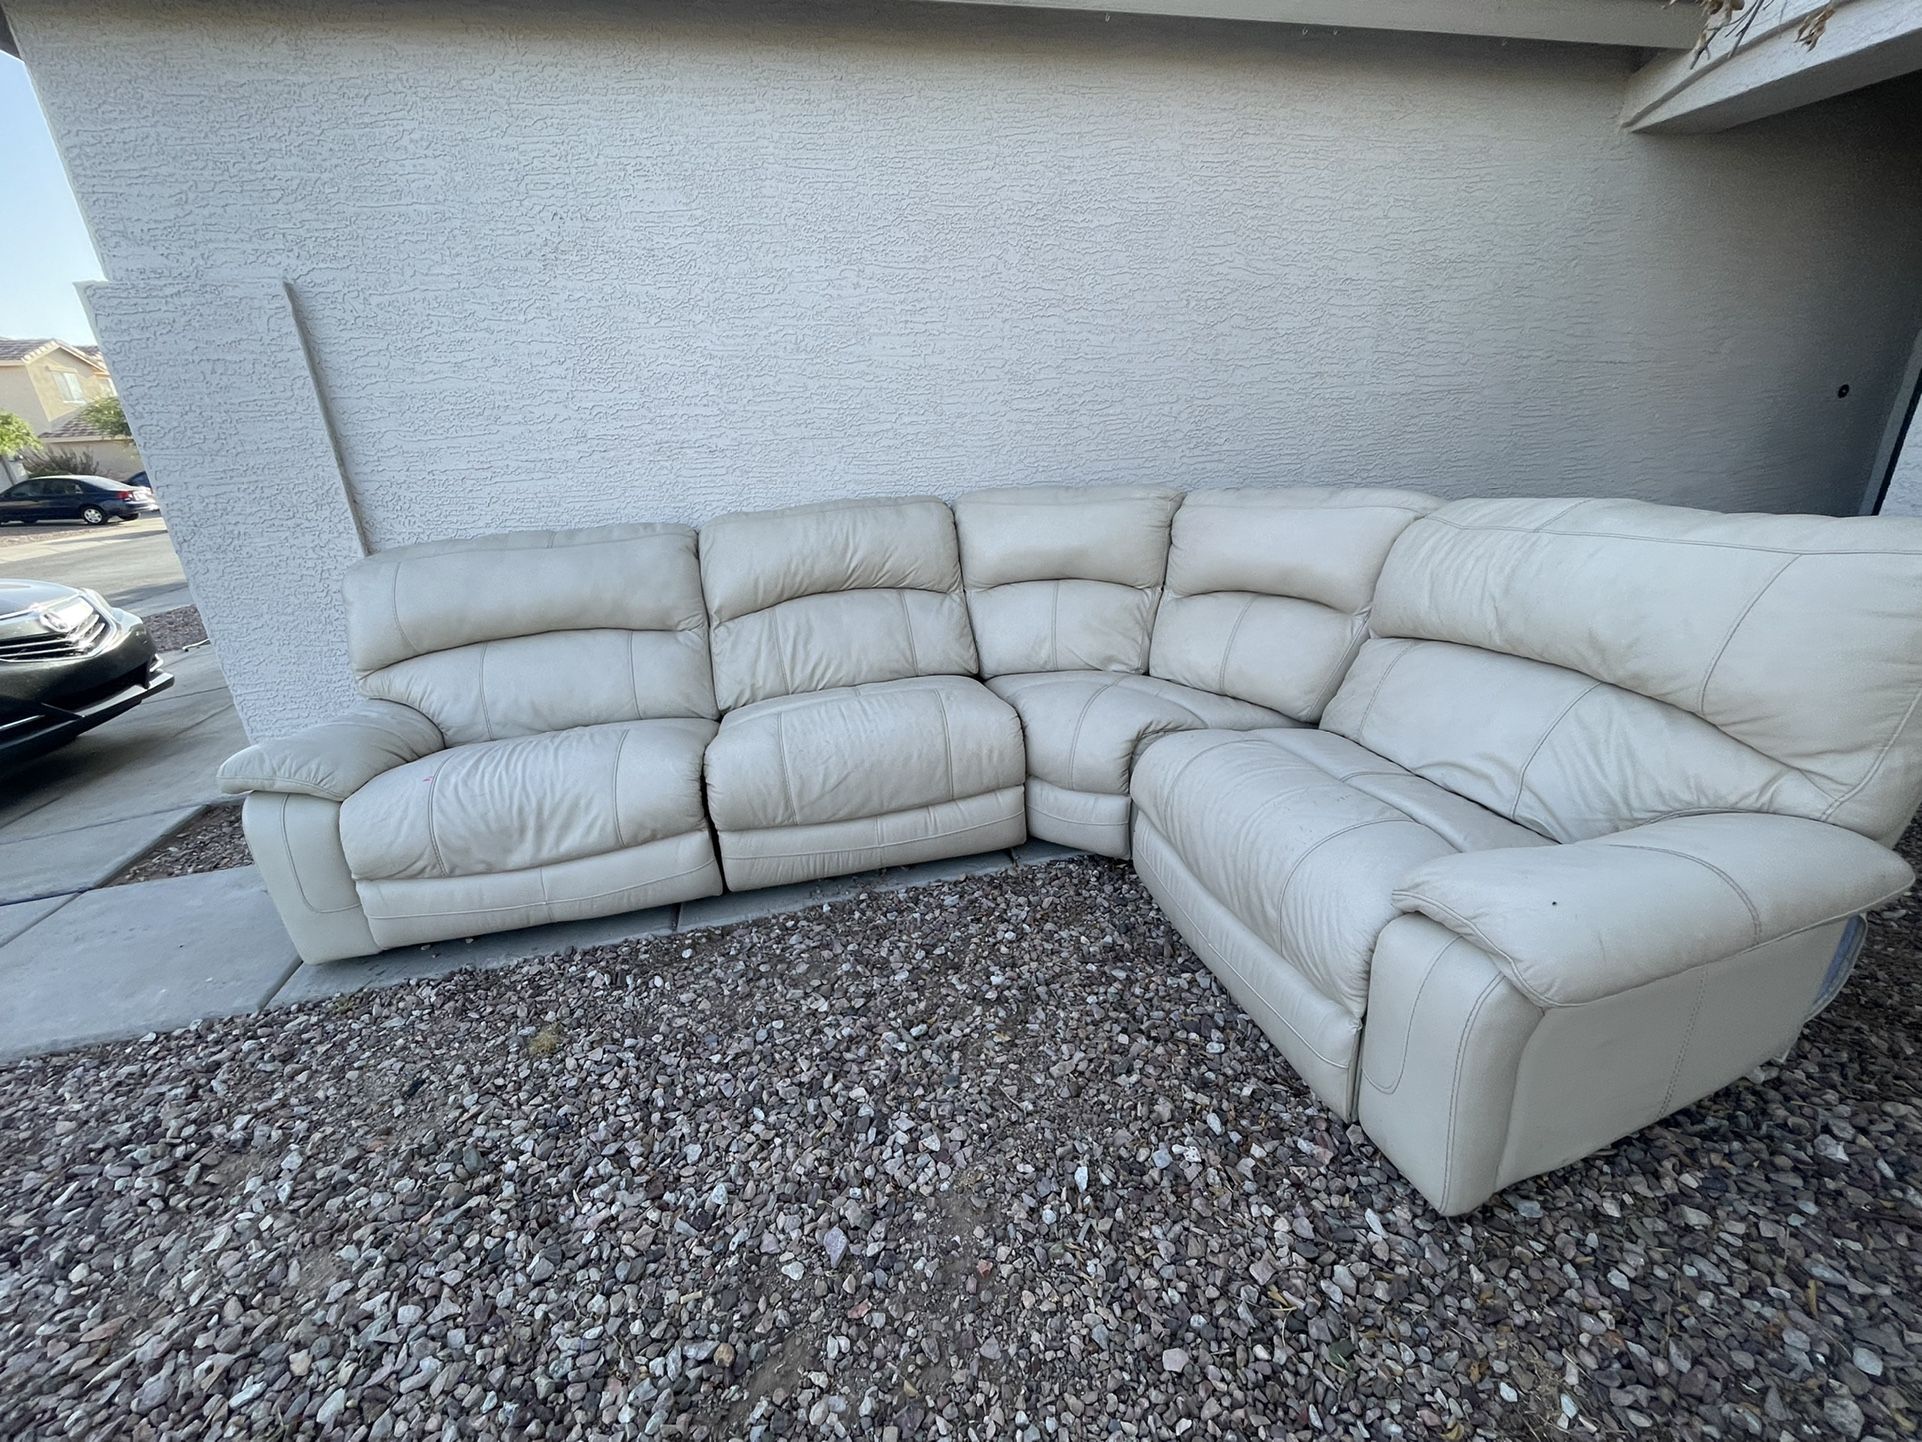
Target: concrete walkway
[(81, 962)]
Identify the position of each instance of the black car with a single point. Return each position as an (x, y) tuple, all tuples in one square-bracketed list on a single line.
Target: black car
[(92, 499), (68, 661)]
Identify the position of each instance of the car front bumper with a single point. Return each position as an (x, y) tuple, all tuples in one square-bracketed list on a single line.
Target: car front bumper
[(43, 705)]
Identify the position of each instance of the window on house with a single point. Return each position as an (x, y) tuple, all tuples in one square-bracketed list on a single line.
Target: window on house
[(69, 385)]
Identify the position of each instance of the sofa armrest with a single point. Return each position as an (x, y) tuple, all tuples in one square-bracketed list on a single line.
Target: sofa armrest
[(334, 759), (1575, 923)]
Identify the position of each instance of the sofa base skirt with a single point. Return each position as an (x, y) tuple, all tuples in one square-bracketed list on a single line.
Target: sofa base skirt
[(1090, 820), (1468, 1086), (781, 855), (296, 844), (417, 910), (1318, 1037)]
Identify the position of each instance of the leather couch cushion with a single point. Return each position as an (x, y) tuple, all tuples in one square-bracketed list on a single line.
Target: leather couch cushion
[(860, 751), (1269, 588), (534, 631), (1085, 729), (1303, 837), (499, 806), (835, 594), (1591, 665), (1064, 578)]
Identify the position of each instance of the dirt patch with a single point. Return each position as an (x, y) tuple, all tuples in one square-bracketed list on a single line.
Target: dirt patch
[(177, 629), (210, 841)]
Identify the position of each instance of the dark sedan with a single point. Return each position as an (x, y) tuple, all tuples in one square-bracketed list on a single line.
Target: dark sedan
[(94, 500), (68, 661)]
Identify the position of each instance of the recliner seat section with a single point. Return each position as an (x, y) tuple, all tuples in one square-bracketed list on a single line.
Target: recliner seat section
[(539, 705), (1514, 824), (1277, 854), (857, 736), (1666, 737)]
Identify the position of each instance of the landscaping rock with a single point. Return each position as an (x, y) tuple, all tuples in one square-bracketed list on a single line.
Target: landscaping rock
[(991, 1158)]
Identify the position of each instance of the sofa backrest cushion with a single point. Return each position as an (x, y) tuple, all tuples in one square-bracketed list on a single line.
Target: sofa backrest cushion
[(1064, 578), (1586, 666), (833, 594), (1269, 587), (530, 631)]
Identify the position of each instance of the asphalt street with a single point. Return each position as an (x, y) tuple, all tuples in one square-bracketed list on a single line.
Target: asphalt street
[(131, 563)]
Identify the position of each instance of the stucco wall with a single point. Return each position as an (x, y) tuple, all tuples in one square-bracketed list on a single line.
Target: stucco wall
[(1905, 483), (670, 260)]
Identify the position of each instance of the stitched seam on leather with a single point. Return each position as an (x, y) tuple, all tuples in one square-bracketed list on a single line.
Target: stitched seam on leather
[(1455, 1086), (1228, 646), (523, 905), (1701, 700), (1281, 895), (1074, 739), (614, 788), (634, 672), (1054, 629), (1182, 770), (1361, 723), (300, 884), (1241, 976), (778, 625), (1875, 766), (947, 739), (835, 695), (480, 691), (1039, 810), (433, 832), (872, 845), (276, 785), (1754, 916), (1331, 679), (907, 624), (1542, 530), (1563, 514), (1408, 1031), (393, 600), (715, 619), (1521, 777), (1681, 1053), (780, 754), (1458, 923)]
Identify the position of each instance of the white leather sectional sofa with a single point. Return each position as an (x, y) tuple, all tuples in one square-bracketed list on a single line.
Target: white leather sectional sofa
[(1515, 824)]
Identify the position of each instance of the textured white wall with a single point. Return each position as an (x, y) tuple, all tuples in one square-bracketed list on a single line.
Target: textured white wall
[(665, 261), (1905, 485)]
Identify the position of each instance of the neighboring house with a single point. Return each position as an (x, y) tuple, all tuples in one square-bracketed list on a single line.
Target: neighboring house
[(46, 382), (386, 273)]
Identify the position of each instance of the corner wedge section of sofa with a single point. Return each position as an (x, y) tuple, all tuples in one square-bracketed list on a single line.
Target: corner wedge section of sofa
[(1533, 1005), (294, 787)]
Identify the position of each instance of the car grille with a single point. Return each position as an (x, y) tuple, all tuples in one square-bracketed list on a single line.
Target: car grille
[(50, 645)]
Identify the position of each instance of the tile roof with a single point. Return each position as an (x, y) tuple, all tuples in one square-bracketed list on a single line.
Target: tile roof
[(74, 428), (16, 348)]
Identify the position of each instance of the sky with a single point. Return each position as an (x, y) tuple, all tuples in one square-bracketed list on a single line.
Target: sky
[(44, 246)]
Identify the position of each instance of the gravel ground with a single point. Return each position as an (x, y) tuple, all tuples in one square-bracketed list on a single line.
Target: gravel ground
[(211, 841), (990, 1159), (176, 629)]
